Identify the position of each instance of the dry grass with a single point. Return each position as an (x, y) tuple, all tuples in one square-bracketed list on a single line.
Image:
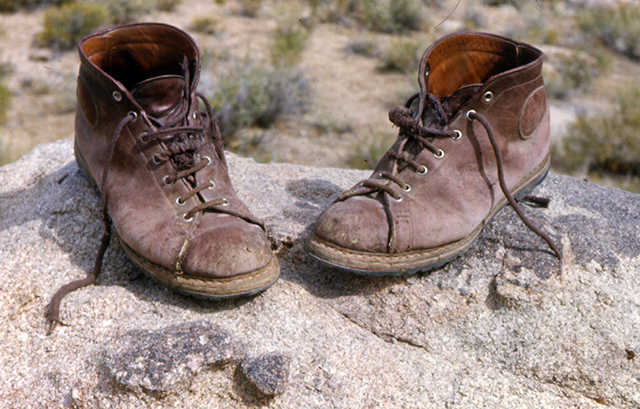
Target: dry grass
[(336, 48)]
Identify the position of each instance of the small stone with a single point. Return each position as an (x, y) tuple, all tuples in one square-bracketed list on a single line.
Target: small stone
[(268, 373), (160, 360)]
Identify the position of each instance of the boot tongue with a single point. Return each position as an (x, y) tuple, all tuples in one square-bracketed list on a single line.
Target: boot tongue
[(452, 103), (160, 96)]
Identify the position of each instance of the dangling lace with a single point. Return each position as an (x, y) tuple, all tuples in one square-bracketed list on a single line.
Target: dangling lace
[(410, 128), (182, 142), (503, 184), (54, 305)]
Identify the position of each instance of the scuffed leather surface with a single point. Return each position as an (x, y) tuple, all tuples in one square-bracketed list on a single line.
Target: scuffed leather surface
[(143, 64), (461, 189)]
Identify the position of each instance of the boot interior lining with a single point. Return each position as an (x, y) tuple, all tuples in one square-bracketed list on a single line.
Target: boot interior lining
[(132, 55), (468, 60)]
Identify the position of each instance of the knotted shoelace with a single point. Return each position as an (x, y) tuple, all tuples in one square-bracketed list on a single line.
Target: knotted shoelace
[(181, 141), (426, 136)]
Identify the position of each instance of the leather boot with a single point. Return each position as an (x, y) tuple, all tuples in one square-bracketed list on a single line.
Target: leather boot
[(475, 135), (152, 146)]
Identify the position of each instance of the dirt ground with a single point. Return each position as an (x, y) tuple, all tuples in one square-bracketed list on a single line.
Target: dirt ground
[(350, 95)]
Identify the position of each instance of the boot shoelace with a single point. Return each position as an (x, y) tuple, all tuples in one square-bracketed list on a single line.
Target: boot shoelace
[(409, 127), (181, 142)]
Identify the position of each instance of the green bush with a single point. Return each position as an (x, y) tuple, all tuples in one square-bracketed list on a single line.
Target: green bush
[(64, 26), (252, 93), (5, 103), (167, 5), (366, 47), (606, 144), (250, 8), (405, 15), (617, 27), (126, 11), (401, 55), (570, 71), (288, 43), (386, 16), (369, 153), (206, 25), (373, 15), (15, 5), (67, 23)]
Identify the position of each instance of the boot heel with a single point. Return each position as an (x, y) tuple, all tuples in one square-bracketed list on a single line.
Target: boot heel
[(83, 167), (530, 186)]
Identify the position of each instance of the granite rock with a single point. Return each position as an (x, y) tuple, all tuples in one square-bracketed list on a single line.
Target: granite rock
[(506, 325), (268, 373)]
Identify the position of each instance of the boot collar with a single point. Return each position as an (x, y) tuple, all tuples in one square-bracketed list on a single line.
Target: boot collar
[(459, 65)]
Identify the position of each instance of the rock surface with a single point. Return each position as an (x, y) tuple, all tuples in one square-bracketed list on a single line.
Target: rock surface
[(505, 326)]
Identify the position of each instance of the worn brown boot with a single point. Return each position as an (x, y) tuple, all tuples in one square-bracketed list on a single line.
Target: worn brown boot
[(159, 165), (476, 135)]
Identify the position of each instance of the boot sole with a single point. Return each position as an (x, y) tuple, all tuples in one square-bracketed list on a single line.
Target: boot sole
[(383, 264), (221, 288)]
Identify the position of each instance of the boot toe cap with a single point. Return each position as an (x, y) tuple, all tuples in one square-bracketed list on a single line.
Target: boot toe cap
[(228, 252), (358, 223)]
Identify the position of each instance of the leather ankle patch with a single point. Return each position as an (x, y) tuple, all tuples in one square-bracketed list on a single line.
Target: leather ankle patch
[(532, 112)]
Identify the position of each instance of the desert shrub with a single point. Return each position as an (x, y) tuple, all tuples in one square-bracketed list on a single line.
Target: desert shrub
[(167, 5), (605, 144), (386, 16), (616, 26), (373, 15), (393, 16), (126, 11), (207, 25), (400, 55), (15, 5), (250, 8), (520, 3), (65, 25), (288, 43), (405, 14), (5, 102), (369, 153), (253, 93), (568, 71), (367, 47)]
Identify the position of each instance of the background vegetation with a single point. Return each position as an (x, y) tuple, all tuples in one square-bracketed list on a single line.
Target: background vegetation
[(592, 62)]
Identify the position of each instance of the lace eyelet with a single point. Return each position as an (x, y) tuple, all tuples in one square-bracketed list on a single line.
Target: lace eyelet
[(208, 160), (133, 114), (185, 218), (398, 200), (165, 182), (156, 161), (225, 202), (457, 135), (469, 113), (488, 96), (212, 184), (440, 154), (180, 202), (422, 171), (117, 96), (407, 188)]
